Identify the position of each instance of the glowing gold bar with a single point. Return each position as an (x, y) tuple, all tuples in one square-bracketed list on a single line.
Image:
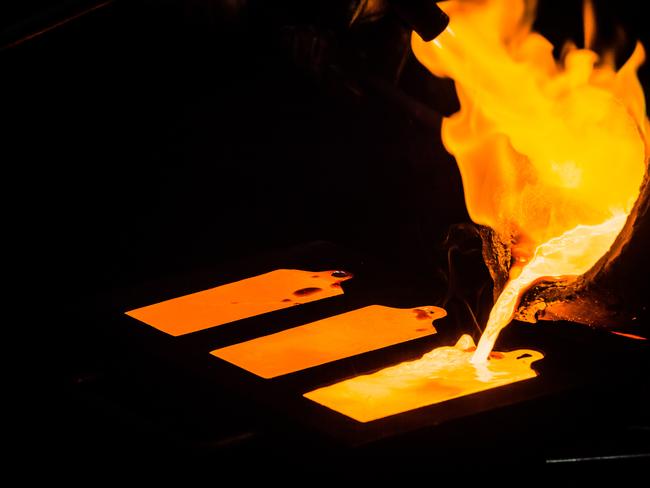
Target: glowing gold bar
[(338, 337), (442, 374), (276, 290)]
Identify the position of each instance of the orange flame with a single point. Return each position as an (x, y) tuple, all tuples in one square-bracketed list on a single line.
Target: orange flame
[(552, 153)]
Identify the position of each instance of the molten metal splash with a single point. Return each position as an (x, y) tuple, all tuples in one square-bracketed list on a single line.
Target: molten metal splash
[(552, 154), (442, 374), (573, 253)]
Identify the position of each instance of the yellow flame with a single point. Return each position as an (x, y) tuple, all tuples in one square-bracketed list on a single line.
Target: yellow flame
[(552, 153)]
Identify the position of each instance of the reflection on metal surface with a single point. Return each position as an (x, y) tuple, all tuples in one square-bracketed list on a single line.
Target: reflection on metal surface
[(276, 290), (442, 374), (618, 457), (630, 336), (327, 340)]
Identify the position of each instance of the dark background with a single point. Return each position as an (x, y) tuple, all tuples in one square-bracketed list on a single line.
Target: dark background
[(154, 137), (148, 139)]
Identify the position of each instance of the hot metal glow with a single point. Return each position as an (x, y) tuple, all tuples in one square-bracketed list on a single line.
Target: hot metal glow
[(265, 293), (442, 374), (572, 253), (330, 339)]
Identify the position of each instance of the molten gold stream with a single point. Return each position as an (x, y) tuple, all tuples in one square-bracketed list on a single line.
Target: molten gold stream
[(573, 253)]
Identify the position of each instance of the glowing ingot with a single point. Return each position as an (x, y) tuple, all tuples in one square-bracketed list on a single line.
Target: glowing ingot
[(261, 294), (330, 339)]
